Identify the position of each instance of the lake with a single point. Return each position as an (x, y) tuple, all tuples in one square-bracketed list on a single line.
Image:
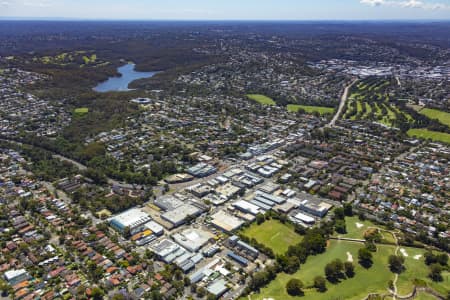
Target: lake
[(120, 84)]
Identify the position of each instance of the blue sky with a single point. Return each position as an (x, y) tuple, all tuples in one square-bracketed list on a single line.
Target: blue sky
[(228, 9)]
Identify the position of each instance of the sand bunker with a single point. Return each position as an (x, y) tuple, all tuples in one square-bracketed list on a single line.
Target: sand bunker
[(349, 257), (359, 225), (417, 257), (404, 253)]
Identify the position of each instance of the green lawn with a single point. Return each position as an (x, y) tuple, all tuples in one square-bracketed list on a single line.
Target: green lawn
[(356, 228), (373, 280), (80, 112), (428, 134), (442, 116), (261, 99), (273, 234), (310, 109)]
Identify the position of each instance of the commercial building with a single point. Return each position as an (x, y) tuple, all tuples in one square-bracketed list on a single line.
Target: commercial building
[(134, 219)]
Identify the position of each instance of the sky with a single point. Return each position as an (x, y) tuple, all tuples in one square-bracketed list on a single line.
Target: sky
[(228, 9)]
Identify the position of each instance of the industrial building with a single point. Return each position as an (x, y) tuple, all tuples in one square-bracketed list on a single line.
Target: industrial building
[(200, 190), (218, 287), (241, 260), (134, 219), (179, 215), (248, 207), (171, 252), (242, 246), (228, 191), (157, 229), (226, 222), (192, 239), (304, 219), (318, 209), (14, 277), (201, 170)]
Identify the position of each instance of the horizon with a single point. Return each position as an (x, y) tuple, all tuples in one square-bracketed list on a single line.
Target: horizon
[(68, 19), (230, 10)]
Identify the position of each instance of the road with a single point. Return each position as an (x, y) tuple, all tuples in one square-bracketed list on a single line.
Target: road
[(341, 104)]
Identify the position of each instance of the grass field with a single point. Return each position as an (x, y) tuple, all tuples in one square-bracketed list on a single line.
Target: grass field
[(356, 228), (416, 269), (80, 112), (428, 134), (354, 288), (442, 116), (373, 280), (310, 109), (261, 99), (274, 235)]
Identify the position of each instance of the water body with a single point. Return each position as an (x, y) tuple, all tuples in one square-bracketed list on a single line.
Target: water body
[(120, 84)]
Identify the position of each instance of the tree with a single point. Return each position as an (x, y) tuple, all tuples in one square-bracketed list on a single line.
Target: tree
[(333, 270), (97, 293), (118, 297), (396, 263), (260, 219), (201, 292), (349, 269), (339, 213), (442, 259), (126, 232), (294, 287), (348, 209), (320, 284), (435, 272), (365, 257), (293, 263), (430, 258), (340, 227)]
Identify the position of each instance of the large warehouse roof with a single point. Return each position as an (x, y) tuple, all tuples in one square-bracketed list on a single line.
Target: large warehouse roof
[(130, 218)]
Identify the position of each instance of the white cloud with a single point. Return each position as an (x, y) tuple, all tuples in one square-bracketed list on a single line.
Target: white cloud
[(5, 3), (407, 4), (373, 2)]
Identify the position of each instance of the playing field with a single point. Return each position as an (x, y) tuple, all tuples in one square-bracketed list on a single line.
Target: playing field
[(442, 116), (310, 109), (261, 99), (274, 234), (365, 281), (428, 134)]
